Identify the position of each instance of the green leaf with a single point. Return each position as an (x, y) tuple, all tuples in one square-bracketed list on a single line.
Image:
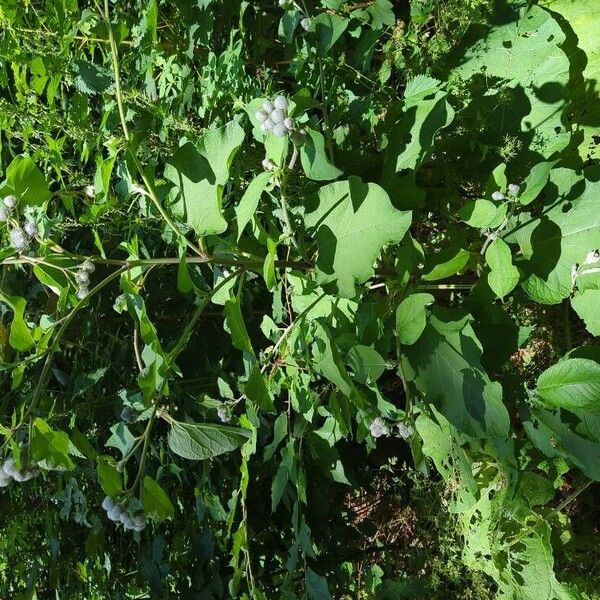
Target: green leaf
[(521, 61), (503, 276), (411, 317), (445, 364), (199, 175), (155, 501), (257, 391), (314, 159), (316, 586), (446, 263), (481, 213), (90, 78), (426, 111), (587, 306), (536, 181), (20, 336), (24, 179), (368, 365), (351, 222), (573, 383), (109, 477), (327, 30), (561, 237), (246, 209), (199, 441), (50, 446), (237, 328)]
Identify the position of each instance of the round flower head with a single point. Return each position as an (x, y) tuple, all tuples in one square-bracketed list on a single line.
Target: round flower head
[(278, 115), (82, 292), (82, 277), (89, 191), (10, 201), (514, 189), (267, 165), (114, 514), (497, 196), (405, 431), (281, 103), (88, 265), (19, 239), (26, 475), (279, 130), (378, 428), (108, 503), (4, 479), (10, 467), (305, 23), (261, 116), (4, 213), (139, 523), (223, 414), (267, 126), (126, 520), (30, 228), (268, 107), (289, 123)]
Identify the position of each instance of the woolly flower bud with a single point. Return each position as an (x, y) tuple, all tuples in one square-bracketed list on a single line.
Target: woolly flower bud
[(4, 213), (268, 107), (305, 23), (139, 523), (268, 165), (281, 103), (378, 428), (4, 479), (9, 467), (88, 265), (108, 503), (278, 115), (261, 116), (279, 130), (284, 3), (514, 189), (26, 475), (10, 201), (497, 196), (82, 292), (405, 431), (267, 126), (289, 123), (114, 514), (18, 239), (30, 228), (223, 414), (82, 277), (89, 191), (126, 520)]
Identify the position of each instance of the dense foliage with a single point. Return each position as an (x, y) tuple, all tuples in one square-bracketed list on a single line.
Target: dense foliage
[(299, 299)]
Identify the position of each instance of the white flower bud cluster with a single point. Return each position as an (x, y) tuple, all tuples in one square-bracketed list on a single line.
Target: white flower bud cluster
[(82, 277), (20, 237), (378, 428), (305, 23), (117, 513), (273, 117), (224, 414), (513, 191), (286, 4), (405, 430), (10, 472)]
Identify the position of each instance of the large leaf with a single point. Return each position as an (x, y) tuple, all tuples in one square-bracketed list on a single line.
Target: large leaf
[(199, 175), (573, 383), (587, 306), (445, 364), (351, 221), (561, 237), (411, 317), (24, 179), (503, 276), (523, 60), (155, 501), (314, 158), (199, 441)]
